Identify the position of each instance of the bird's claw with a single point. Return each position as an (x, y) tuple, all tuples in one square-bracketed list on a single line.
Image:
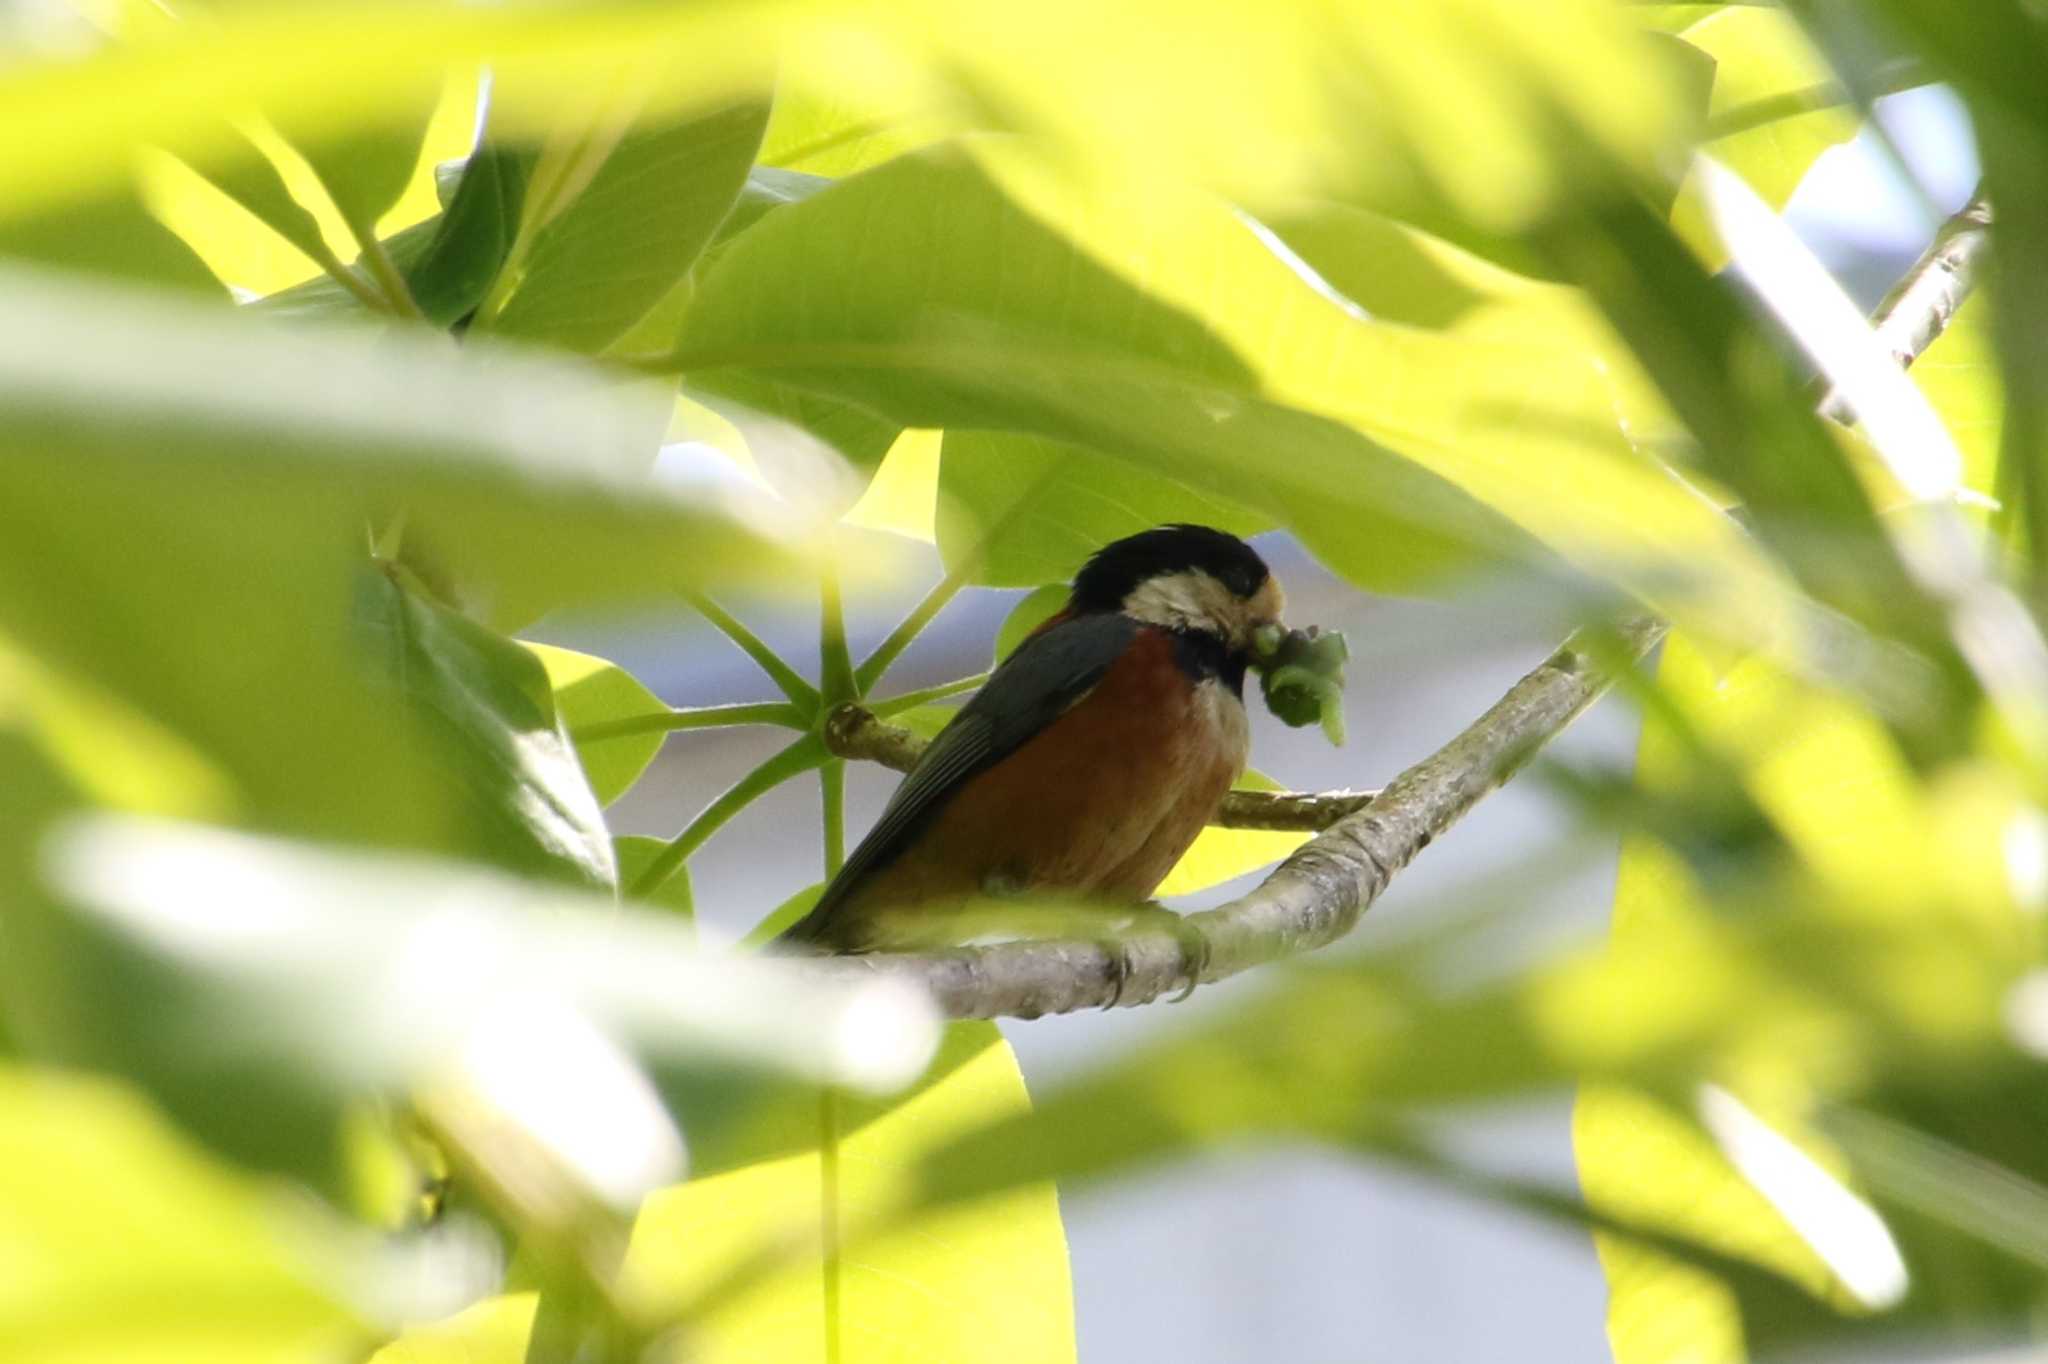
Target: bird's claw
[(1193, 944)]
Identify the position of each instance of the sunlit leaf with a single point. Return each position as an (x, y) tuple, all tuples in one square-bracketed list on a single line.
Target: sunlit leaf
[(903, 495), (366, 171), (1017, 509), (1171, 333), (127, 1243), (984, 1283), (1220, 855), (636, 853), (1760, 57), (592, 692), (1959, 374)]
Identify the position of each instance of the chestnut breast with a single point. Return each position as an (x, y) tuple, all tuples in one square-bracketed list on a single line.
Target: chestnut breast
[(1102, 802)]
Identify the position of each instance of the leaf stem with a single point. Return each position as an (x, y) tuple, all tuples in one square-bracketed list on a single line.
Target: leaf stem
[(801, 756), (910, 700), (877, 663), (385, 272), (801, 694), (835, 664), (692, 717)]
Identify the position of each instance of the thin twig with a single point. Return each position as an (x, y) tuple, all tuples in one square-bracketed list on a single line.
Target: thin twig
[(1924, 301), (1311, 899), (855, 732)]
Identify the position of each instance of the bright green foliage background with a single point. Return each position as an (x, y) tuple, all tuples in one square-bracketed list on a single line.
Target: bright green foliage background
[(320, 379)]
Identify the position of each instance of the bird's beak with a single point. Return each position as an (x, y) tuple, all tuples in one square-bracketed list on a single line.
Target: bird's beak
[(1266, 640)]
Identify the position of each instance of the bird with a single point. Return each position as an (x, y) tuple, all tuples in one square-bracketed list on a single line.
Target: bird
[(1087, 763)]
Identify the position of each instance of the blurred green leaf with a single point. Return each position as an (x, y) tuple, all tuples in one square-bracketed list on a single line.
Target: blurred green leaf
[(590, 691), (487, 701), (243, 964), (1994, 62), (1839, 793), (1760, 58), (126, 1243), (983, 1283), (603, 260), (1017, 510), (1959, 373), (242, 172), (113, 236), (1245, 403), (203, 480), (1389, 101), (366, 170), (1026, 616)]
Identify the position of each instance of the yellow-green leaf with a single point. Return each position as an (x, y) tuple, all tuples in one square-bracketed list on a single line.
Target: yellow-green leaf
[(1219, 855), (591, 693), (122, 1241)]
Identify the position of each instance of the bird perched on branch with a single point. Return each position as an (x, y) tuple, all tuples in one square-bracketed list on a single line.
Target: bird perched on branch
[(1091, 758)]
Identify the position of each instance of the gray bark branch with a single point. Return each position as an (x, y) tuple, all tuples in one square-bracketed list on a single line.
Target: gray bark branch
[(1920, 306)]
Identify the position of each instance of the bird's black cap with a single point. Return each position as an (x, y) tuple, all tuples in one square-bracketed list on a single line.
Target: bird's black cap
[(1118, 567)]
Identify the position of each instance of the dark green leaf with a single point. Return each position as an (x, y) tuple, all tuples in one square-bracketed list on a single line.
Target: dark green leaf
[(607, 258), (486, 703)]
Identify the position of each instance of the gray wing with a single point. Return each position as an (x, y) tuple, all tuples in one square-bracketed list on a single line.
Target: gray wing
[(1034, 686)]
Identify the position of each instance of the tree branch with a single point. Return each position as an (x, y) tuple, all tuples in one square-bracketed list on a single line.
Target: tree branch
[(1311, 899), (1921, 305), (853, 731)]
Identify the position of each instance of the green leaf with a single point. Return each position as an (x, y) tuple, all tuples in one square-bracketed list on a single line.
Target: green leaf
[(1229, 370), (1018, 510), (127, 1243), (365, 170), (242, 172), (987, 1283), (782, 916), (589, 691), (603, 261), (242, 965), (1959, 373), (1760, 56), (114, 236), (634, 853), (1026, 616), (1220, 855), (448, 260), (487, 703)]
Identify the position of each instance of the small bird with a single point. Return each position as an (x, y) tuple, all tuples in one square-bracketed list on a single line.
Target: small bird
[(1091, 758)]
